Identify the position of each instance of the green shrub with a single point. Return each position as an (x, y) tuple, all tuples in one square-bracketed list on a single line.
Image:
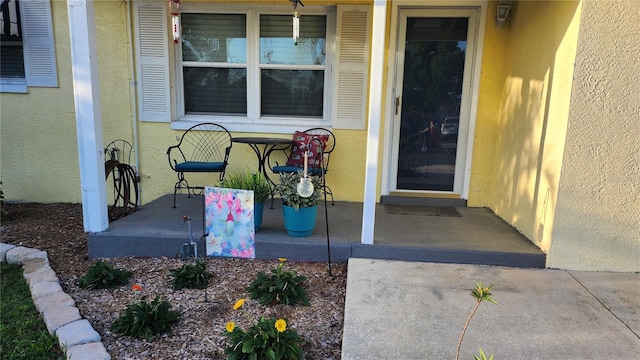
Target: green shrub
[(190, 276), (266, 339), (144, 320), (102, 275), (282, 287)]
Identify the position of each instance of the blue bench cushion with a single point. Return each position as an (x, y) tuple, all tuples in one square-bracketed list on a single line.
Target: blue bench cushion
[(200, 166), (295, 169)]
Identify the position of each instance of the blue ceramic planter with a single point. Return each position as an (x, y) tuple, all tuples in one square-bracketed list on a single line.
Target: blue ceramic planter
[(258, 209), (299, 223)]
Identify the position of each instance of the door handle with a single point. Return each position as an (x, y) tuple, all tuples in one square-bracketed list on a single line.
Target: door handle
[(397, 104)]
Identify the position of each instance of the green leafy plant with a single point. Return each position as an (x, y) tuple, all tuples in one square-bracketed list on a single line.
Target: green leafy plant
[(144, 320), (268, 338), (248, 181), (102, 275), (482, 356), (281, 287), (288, 190), (191, 276), (480, 293)]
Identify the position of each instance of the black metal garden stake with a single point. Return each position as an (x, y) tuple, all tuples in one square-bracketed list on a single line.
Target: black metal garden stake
[(326, 211)]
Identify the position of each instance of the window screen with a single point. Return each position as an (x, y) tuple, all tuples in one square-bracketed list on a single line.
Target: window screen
[(217, 65)]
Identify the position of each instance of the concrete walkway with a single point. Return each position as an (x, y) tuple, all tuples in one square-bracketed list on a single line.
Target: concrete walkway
[(411, 310)]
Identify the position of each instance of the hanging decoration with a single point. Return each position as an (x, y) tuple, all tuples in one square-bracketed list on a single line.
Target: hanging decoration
[(296, 20), (174, 6), (296, 27), (295, 4), (305, 187)]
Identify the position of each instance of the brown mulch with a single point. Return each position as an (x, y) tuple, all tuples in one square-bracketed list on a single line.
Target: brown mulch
[(58, 229)]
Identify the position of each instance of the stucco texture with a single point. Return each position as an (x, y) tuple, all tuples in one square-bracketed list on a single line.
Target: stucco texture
[(597, 219), (38, 144), (529, 126), (157, 179), (39, 149), (487, 128)]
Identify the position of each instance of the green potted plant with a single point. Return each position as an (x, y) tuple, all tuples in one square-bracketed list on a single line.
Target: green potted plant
[(248, 181), (299, 212)]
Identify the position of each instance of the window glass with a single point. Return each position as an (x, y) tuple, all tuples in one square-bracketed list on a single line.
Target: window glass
[(12, 64), (215, 90), (214, 38), (292, 92), (277, 45), (279, 79)]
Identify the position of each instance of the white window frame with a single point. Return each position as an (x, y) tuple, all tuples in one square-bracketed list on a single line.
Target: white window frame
[(37, 37), (253, 122)]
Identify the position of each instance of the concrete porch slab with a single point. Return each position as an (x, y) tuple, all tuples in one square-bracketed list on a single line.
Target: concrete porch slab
[(476, 237)]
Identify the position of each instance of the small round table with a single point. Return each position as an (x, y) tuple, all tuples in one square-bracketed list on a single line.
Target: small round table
[(268, 145)]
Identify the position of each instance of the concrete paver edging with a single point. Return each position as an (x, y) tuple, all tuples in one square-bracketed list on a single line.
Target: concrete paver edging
[(76, 336)]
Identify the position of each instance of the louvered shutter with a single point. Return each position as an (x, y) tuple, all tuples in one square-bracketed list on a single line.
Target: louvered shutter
[(37, 41), (351, 67), (154, 101)]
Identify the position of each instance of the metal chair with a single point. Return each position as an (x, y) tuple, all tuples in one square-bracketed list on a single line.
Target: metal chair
[(306, 140), (203, 148)]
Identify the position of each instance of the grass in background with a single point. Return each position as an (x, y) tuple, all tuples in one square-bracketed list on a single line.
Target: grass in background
[(23, 334)]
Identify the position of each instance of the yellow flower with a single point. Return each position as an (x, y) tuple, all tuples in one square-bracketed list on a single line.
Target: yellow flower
[(230, 326), (281, 325), (282, 259), (238, 304)]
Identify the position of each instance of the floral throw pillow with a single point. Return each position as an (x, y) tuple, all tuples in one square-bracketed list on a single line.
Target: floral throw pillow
[(301, 143)]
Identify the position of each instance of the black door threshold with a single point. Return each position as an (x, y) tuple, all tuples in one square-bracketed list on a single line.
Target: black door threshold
[(422, 201)]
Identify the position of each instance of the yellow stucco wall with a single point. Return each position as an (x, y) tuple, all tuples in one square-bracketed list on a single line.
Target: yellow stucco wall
[(41, 123), (597, 222), (493, 73), (38, 146), (527, 130), (157, 179)]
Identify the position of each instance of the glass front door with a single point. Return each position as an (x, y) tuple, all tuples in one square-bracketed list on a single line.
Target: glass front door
[(431, 111)]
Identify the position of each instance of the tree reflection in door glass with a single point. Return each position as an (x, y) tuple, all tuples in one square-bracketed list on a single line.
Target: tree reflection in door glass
[(431, 97)]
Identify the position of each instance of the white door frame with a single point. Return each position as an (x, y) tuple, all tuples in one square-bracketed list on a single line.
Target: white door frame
[(389, 163)]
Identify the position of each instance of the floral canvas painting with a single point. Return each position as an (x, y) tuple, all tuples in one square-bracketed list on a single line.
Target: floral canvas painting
[(229, 222)]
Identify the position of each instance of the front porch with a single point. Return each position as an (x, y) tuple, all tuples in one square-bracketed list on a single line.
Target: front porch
[(477, 236)]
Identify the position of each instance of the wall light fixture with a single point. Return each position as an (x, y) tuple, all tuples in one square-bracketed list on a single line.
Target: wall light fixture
[(502, 13)]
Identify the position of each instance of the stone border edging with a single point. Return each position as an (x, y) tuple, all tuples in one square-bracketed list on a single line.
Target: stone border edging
[(76, 337)]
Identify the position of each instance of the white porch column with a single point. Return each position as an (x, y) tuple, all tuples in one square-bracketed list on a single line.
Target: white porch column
[(375, 116), (88, 117)]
